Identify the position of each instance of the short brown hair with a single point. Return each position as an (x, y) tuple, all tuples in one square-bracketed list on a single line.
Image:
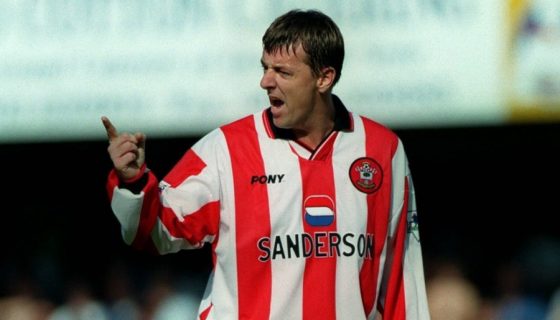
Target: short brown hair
[(316, 32)]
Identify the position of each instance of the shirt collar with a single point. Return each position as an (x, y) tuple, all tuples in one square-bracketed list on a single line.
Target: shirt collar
[(342, 121)]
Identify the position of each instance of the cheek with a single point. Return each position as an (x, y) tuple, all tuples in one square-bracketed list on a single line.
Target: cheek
[(296, 92)]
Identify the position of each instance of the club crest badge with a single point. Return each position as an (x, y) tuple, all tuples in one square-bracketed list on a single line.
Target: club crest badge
[(366, 175)]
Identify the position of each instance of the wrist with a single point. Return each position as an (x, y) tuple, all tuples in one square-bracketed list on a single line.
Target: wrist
[(141, 171)]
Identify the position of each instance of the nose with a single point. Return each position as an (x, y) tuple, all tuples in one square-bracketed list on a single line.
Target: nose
[(267, 80)]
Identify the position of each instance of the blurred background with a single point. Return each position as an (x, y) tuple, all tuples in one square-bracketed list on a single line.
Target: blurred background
[(472, 87)]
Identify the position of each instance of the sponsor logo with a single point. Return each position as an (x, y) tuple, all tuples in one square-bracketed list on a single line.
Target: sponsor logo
[(319, 210), (318, 245), (366, 175), (267, 179)]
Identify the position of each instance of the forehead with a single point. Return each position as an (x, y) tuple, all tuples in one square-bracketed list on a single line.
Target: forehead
[(285, 56)]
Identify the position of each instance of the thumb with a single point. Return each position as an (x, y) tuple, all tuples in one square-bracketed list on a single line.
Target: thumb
[(141, 143), (141, 140)]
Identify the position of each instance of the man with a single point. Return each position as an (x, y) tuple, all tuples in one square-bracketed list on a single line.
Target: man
[(309, 208)]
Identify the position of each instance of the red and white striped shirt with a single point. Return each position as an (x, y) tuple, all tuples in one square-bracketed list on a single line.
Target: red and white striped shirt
[(296, 234)]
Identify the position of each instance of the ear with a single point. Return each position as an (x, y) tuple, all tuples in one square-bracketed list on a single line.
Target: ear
[(325, 81)]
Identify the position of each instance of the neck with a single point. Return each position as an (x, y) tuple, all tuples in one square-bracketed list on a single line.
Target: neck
[(321, 123)]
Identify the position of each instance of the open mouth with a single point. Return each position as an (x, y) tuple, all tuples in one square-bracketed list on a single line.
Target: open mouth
[(276, 102)]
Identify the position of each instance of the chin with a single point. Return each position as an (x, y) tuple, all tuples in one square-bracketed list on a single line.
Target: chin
[(280, 124), (277, 123)]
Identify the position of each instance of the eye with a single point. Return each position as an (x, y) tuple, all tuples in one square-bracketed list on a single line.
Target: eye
[(264, 66), (284, 73)]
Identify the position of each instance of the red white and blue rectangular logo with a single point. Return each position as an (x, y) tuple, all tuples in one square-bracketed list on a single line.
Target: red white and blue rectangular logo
[(319, 210)]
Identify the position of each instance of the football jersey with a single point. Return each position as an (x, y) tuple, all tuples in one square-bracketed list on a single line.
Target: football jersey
[(329, 233)]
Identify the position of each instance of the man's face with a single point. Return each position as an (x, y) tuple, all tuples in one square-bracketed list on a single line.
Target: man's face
[(291, 87)]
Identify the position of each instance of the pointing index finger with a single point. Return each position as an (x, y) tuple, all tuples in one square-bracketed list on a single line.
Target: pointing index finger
[(111, 130)]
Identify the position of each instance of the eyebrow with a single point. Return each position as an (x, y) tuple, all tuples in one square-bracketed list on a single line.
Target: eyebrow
[(273, 66)]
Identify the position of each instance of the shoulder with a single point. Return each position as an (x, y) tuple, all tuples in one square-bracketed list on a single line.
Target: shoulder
[(359, 122), (244, 124), (236, 129), (374, 128)]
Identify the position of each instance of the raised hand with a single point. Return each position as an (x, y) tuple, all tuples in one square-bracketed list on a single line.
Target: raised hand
[(127, 151)]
